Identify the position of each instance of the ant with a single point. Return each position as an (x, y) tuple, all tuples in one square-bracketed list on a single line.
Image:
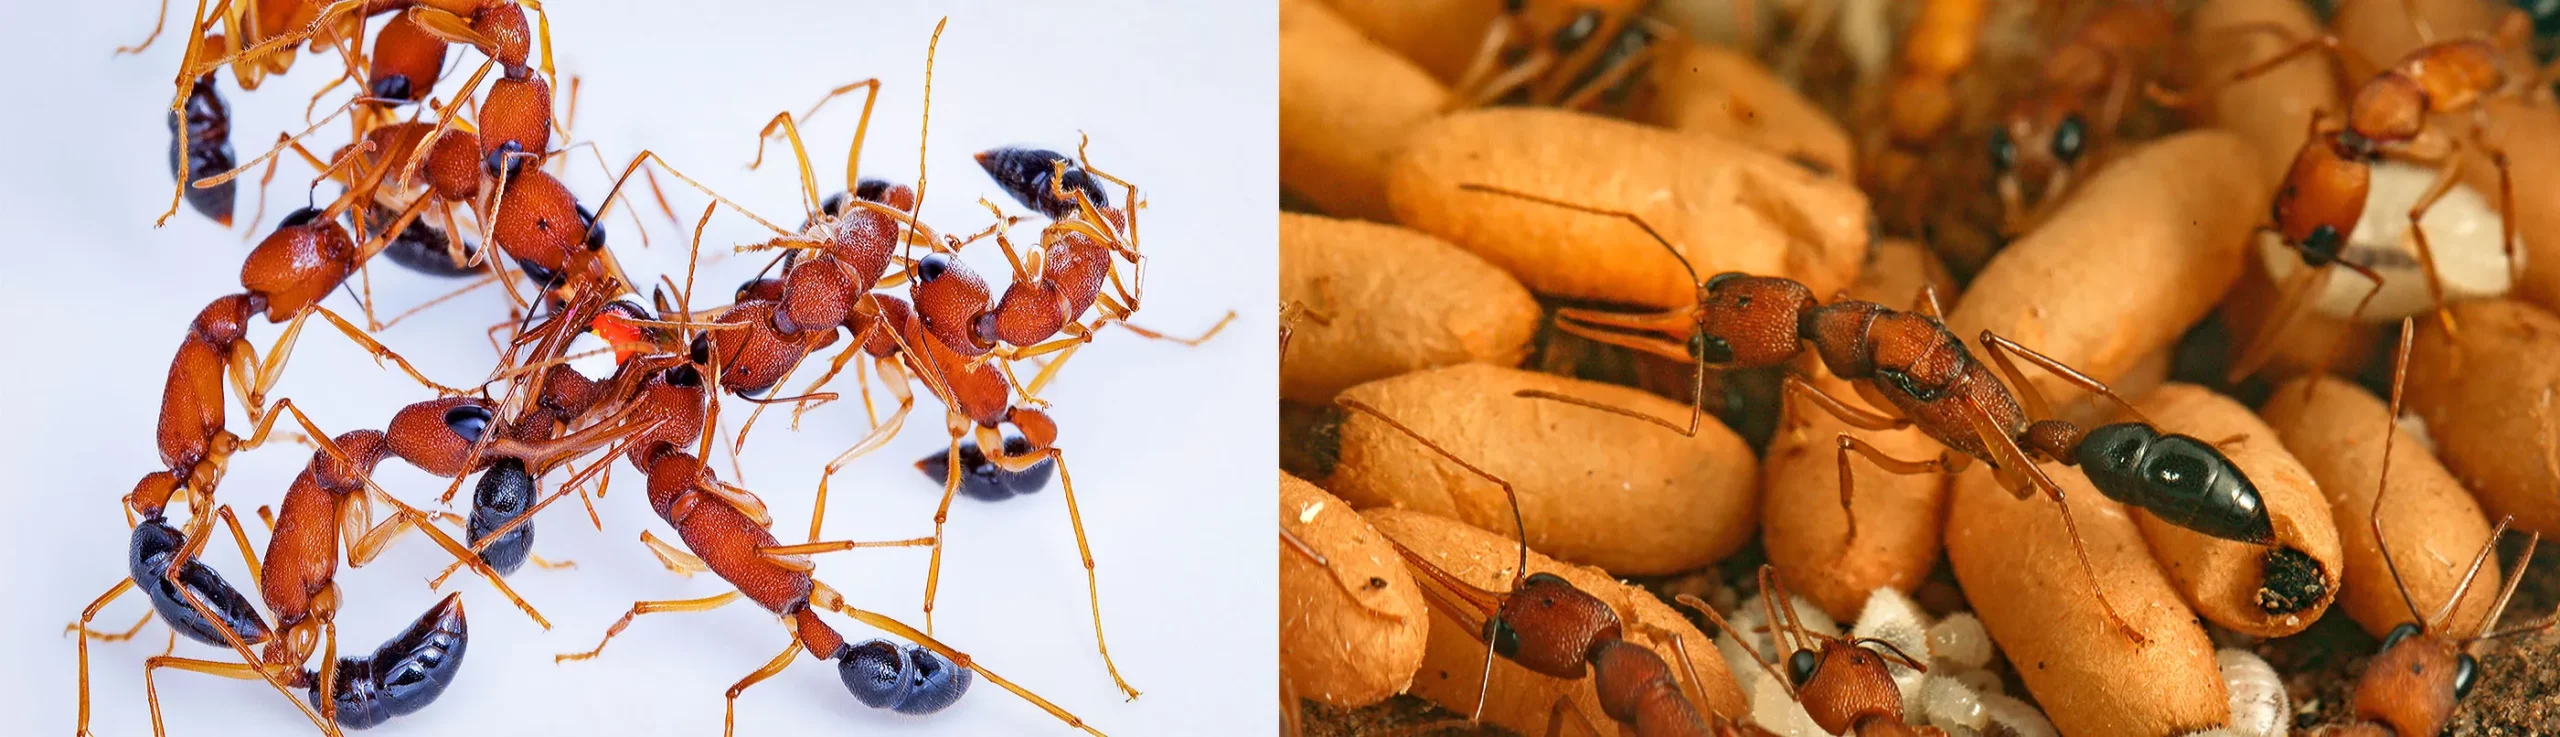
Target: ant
[(1546, 624), (1843, 684), (2049, 135), (200, 140), (730, 534), (1908, 361), (1541, 52), (2324, 191), (2411, 687)]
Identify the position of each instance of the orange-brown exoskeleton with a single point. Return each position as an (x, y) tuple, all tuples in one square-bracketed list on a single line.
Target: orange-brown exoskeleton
[(2388, 116), (1843, 683), (2053, 136), (1909, 362), (1564, 53), (2413, 685)]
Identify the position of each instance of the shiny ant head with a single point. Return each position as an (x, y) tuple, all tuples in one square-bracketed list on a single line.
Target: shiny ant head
[(1750, 321), (2183, 480), (1548, 625)]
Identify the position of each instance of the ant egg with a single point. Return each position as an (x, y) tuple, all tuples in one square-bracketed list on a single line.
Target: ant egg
[(1891, 617), (1960, 639), (2015, 717), (2258, 699), (1946, 702)]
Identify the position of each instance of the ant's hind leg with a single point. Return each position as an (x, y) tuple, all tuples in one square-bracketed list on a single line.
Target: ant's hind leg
[(1848, 481)]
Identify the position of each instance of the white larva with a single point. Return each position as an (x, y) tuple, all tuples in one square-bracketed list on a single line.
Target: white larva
[(2258, 700), (1960, 640)]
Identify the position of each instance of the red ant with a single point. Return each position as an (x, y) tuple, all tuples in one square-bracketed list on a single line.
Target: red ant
[(1541, 52), (670, 397), (1547, 625), (2324, 193), (1909, 361), (2412, 686), (2047, 136), (1843, 684)]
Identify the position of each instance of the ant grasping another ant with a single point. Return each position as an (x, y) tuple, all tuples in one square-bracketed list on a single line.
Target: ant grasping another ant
[(2422, 672), (1908, 361), (2389, 116)]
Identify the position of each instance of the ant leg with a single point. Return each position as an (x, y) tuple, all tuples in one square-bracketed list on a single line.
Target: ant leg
[(942, 514), (791, 130), (853, 156), (1846, 412), (729, 722), (474, 286), (82, 627), (1609, 78), (241, 671), (381, 351), (675, 559), (2000, 348), (1515, 78), (2023, 478), (896, 379), (2293, 303), (836, 366), (988, 438), (157, 20), (178, 104), (237, 535), (251, 164), (1890, 464), (826, 597), (2339, 345), (703, 604), (788, 556), (2446, 178)]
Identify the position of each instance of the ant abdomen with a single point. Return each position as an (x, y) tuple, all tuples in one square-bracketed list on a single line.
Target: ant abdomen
[(1026, 173), (406, 674), (909, 680), (982, 479), (1547, 625), (154, 550), (504, 493), (420, 247), (2183, 480), (205, 130)]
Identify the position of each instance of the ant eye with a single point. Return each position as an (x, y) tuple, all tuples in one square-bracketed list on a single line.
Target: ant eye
[(2067, 138), (701, 348), (2466, 673), (1574, 34), (299, 217), (392, 87), (931, 266), (2004, 150), (1500, 635), (1710, 349), (1800, 667), (467, 421), (2399, 633)]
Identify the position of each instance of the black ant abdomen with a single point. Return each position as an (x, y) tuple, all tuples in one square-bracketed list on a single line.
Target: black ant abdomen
[(202, 137), (982, 479), (909, 680), (1025, 173), (154, 550), (403, 676), (504, 493), (2183, 480)]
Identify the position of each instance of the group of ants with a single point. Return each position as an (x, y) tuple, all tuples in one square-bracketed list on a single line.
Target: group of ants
[(1909, 361), (835, 278)]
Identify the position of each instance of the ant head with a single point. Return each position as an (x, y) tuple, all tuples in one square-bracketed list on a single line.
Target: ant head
[(2183, 480), (1750, 321), (1546, 622)]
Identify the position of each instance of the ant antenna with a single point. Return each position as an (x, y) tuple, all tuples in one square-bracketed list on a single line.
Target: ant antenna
[(924, 131), (1627, 216), (2382, 485)]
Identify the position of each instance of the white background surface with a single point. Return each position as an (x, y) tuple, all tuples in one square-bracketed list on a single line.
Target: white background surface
[(1171, 446)]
